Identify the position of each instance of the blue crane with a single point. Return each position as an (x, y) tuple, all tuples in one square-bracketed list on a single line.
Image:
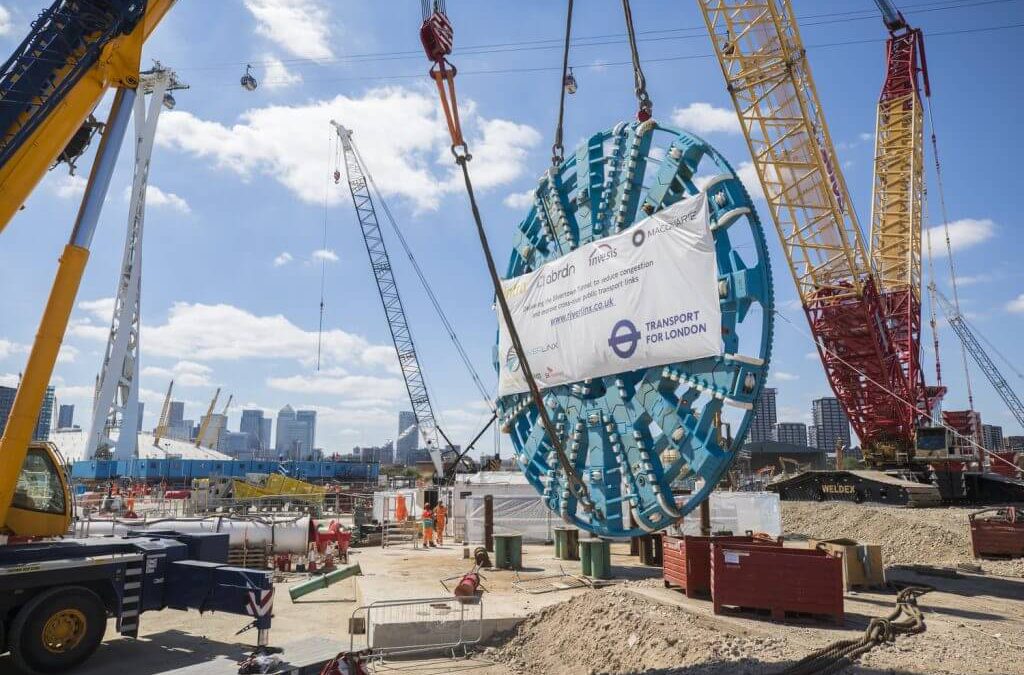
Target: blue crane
[(380, 262), (980, 356)]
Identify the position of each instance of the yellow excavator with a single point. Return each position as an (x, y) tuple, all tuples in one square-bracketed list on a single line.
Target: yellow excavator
[(57, 593)]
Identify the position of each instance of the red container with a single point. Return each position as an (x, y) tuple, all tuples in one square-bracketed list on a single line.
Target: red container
[(177, 494), (777, 579), (687, 560), (997, 532)]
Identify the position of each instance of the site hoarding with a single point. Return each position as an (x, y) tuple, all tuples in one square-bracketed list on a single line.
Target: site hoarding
[(647, 296)]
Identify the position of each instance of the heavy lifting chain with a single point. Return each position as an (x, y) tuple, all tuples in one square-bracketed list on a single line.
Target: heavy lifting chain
[(436, 34), (905, 619)]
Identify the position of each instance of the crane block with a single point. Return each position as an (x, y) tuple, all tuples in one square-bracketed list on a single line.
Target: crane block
[(634, 436)]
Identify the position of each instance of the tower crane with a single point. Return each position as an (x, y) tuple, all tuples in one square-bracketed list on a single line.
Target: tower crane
[(387, 287)]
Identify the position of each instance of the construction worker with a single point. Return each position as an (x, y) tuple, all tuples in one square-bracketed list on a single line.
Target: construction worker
[(440, 516), (428, 527)]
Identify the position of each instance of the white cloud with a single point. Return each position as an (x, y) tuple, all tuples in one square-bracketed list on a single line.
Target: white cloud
[(8, 380), (519, 200), (865, 136), (325, 254), (80, 392), (283, 259), (963, 233), (69, 187), (704, 118), (227, 333), (748, 175), (101, 308), (382, 356), (8, 348), (1016, 305), (156, 197), (500, 156), (971, 280), (87, 330), (298, 26), (277, 76), (400, 133), (6, 25), (782, 376), (184, 373), (67, 354)]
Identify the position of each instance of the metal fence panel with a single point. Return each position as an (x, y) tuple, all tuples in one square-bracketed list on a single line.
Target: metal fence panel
[(421, 625)]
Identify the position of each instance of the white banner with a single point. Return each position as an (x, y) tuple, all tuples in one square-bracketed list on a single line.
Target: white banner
[(645, 297)]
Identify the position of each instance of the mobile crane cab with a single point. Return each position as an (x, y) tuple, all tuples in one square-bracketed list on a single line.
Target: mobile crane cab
[(41, 505)]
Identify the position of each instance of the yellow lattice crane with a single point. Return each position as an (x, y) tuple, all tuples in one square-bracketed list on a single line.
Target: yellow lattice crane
[(862, 329), (204, 424), (163, 425)]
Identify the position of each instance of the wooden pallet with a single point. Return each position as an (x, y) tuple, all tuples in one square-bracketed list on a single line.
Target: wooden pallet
[(252, 558), (780, 614)]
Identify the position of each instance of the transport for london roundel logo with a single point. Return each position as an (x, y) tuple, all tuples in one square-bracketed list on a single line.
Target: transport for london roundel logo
[(624, 339), (511, 360)]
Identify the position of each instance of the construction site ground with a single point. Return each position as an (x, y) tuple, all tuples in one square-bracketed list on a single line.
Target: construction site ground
[(975, 621)]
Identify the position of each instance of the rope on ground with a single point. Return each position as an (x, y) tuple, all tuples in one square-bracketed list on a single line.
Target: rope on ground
[(905, 619)]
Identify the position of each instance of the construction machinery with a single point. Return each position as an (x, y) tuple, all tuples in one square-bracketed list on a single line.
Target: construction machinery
[(862, 301), (445, 461), (163, 424), (56, 596), (204, 424), (970, 341)]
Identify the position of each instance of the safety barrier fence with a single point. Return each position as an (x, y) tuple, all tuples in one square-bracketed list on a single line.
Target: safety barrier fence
[(395, 627)]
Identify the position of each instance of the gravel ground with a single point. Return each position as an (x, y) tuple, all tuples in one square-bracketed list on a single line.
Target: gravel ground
[(618, 632), (939, 536), (975, 624)]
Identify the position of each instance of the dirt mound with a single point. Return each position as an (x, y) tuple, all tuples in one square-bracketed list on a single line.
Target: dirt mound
[(939, 536), (615, 631)]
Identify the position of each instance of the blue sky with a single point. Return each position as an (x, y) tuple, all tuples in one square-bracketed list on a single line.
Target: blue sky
[(236, 215)]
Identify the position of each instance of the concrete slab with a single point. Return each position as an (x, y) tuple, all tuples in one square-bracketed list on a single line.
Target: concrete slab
[(303, 657), (396, 574)]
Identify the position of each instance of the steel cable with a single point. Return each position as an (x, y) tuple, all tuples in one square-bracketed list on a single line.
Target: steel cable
[(646, 106), (558, 149)]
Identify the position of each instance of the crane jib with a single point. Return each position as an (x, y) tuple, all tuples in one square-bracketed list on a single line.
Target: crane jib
[(64, 44)]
